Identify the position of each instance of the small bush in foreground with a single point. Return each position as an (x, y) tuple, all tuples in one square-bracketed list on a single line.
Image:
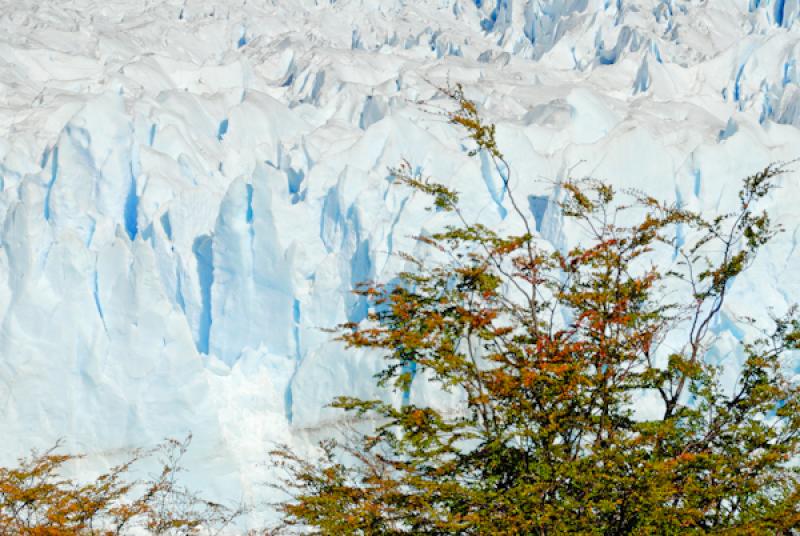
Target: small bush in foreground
[(36, 500)]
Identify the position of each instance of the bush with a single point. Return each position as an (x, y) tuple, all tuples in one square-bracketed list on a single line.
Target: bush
[(35, 499)]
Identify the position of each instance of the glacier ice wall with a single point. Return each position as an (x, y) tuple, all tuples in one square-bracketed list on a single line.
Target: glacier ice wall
[(190, 189)]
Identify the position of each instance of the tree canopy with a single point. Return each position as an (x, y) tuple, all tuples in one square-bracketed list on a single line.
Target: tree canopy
[(551, 351)]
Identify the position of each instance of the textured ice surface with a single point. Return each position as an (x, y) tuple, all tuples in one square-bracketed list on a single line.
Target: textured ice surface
[(190, 189)]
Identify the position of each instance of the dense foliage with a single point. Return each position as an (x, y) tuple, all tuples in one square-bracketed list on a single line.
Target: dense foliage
[(552, 351), (37, 500)]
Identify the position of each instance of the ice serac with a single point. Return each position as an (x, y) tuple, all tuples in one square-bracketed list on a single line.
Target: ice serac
[(189, 191), (252, 273)]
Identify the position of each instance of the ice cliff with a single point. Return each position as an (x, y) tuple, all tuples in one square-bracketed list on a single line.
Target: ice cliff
[(190, 189)]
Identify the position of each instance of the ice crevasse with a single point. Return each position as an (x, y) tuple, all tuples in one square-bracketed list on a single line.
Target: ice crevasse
[(190, 189)]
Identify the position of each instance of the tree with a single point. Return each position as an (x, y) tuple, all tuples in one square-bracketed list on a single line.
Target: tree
[(551, 350), (35, 500)]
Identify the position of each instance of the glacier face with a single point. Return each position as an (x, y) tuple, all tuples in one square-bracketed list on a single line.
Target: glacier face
[(190, 189)]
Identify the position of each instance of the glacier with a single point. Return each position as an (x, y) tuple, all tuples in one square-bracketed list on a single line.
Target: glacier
[(190, 189)]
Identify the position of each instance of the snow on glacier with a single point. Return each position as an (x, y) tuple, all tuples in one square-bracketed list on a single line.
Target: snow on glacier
[(190, 189)]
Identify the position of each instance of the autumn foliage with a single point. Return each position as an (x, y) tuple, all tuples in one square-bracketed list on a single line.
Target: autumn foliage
[(37, 500), (552, 351)]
